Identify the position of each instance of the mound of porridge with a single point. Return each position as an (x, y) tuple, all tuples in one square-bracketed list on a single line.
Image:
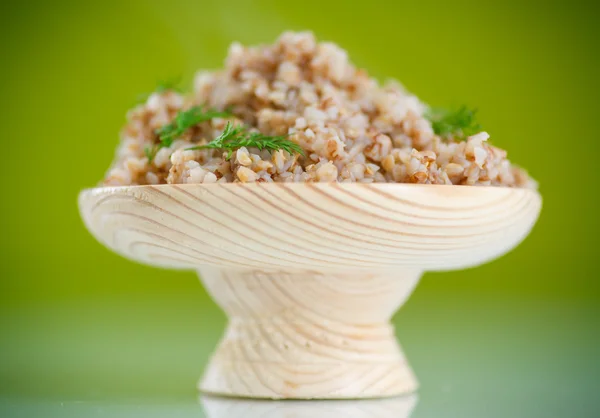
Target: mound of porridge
[(349, 127)]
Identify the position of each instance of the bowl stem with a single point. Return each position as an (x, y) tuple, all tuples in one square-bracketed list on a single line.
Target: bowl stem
[(308, 335)]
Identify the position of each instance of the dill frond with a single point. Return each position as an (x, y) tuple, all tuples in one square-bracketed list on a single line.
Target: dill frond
[(457, 124), (169, 84), (162, 86), (237, 137), (184, 120), (271, 143), (150, 152)]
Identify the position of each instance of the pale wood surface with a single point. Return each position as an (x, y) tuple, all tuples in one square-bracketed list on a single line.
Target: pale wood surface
[(307, 335), (310, 274), (324, 226)]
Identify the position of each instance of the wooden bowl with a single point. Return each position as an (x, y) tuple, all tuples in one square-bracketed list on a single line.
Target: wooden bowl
[(309, 274)]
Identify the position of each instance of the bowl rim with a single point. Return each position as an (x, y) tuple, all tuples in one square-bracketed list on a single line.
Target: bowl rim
[(422, 197), (334, 184), (386, 190)]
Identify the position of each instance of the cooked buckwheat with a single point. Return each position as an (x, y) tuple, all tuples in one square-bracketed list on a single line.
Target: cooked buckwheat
[(351, 128)]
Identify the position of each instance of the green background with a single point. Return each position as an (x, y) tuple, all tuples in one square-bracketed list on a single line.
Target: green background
[(516, 337)]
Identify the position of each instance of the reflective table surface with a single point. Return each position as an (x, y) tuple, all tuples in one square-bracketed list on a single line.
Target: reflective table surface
[(476, 354)]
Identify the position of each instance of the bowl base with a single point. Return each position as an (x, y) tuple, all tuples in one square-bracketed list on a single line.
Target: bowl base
[(221, 407), (307, 381), (307, 335)]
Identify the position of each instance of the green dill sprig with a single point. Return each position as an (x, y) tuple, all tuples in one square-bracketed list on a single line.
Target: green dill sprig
[(235, 137), (150, 152), (229, 134), (184, 120), (457, 124), (162, 86), (169, 84)]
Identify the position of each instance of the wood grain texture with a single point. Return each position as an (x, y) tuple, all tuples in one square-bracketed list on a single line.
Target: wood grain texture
[(400, 407), (322, 226), (306, 335), (309, 274)]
